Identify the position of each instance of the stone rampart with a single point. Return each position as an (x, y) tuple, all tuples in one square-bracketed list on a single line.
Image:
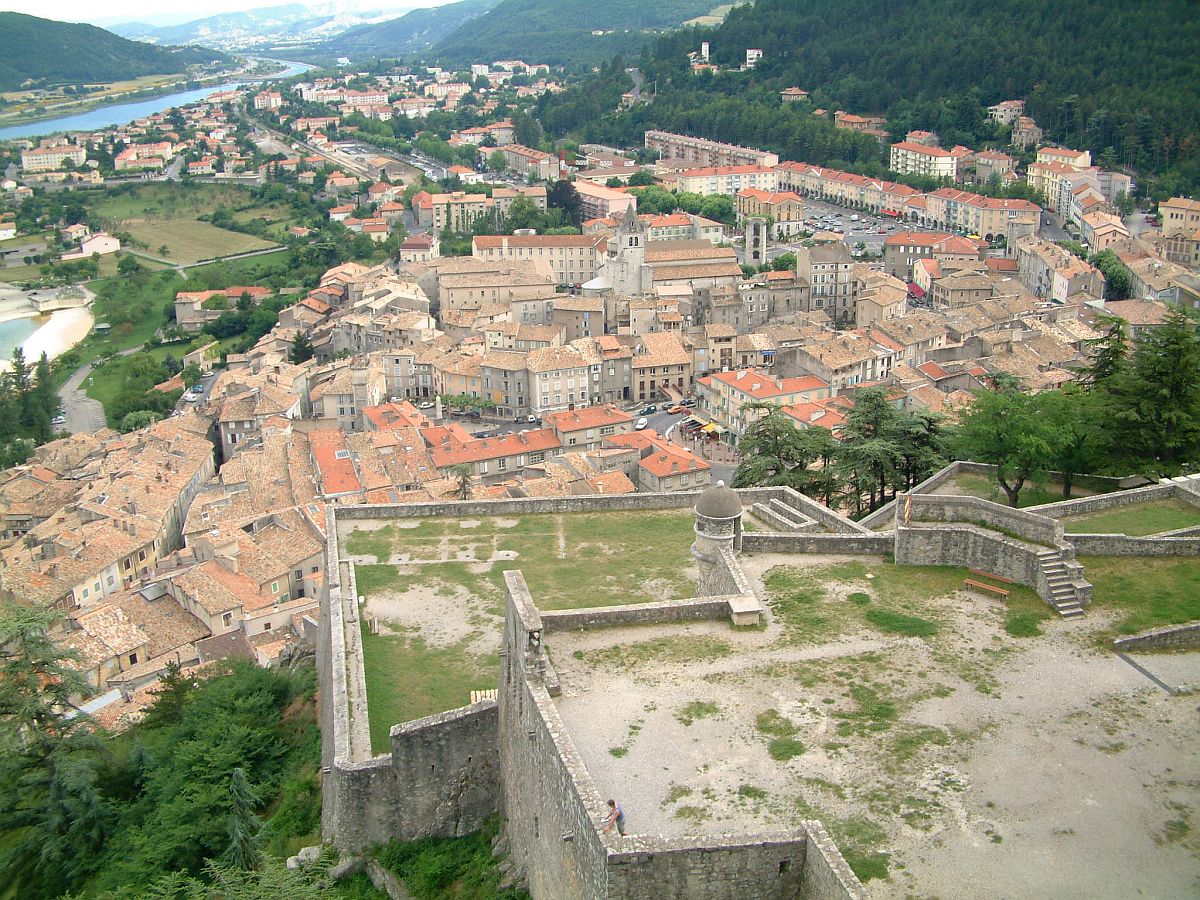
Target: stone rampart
[(1084, 506), (971, 547), (636, 614), (972, 510), (1172, 637), (521, 506), (553, 810), (764, 542), (1126, 545), (447, 770)]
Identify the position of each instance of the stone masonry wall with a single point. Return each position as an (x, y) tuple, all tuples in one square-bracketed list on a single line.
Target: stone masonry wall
[(448, 772), (636, 614), (928, 508), (712, 870), (1104, 502), (1123, 545), (827, 876), (1173, 637), (764, 542), (970, 547)]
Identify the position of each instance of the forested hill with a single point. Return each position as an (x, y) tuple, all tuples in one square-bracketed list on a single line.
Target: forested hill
[(47, 52), (559, 32), (1118, 78), (417, 30)]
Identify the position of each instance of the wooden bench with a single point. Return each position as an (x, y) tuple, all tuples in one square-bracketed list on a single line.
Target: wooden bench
[(990, 576), (1000, 592)]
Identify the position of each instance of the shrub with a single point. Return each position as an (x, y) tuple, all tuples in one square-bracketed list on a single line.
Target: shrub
[(899, 623)]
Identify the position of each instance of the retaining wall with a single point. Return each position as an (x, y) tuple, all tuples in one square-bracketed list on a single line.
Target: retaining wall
[(972, 510), (1124, 545), (1104, 502), (972, 547), (636, 614), (1173, 637), (764, 542)]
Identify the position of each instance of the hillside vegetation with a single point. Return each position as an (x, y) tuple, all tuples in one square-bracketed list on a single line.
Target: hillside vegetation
[(1116, 78), (559, 32), (45, 52), (417, 30)]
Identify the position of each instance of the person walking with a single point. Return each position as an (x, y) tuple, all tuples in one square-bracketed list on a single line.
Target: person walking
[(616, 816)]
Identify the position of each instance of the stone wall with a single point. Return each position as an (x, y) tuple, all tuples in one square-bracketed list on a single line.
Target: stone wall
[(447, 770), (636, 614), (553, 810), (1124, 545), (764, 542), (973, 548), (1103, 502), (523, 506), (1173, 637), (972, 510), (827, 876)]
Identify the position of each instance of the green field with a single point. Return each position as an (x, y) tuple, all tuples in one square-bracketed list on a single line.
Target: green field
[(569, 561), (1032, 494), (1144, 593), (189, 241), (1152, 517), (160, 201)]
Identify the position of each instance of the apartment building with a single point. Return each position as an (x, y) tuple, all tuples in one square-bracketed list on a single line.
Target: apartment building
[(911, 158), (1053, 273), (733, 399), (1006, 111), (48, 159), (783, 209), (729, 180), (1179, 219), (829, 271), (589, 428), (598, 202), (902, 249), (574, 258), (986, 217), (705, 152)]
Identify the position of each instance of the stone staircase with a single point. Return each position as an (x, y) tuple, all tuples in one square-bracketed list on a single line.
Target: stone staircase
[(1064, 596), (782, 517)]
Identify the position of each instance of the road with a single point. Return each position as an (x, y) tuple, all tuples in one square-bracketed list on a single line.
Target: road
[(83, 413)]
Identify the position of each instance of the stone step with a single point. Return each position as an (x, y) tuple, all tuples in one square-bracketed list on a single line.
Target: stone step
[(790, 513), (1071, 614), (772, 518)]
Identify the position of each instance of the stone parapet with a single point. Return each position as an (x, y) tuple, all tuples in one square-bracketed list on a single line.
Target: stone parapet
[(1172, 637)]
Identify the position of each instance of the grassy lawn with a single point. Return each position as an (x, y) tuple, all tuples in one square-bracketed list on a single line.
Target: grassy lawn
[(986, 489), (887, 598), (109, 380), (569, 561), (407, 679), (1144, 593), (1152, 517), (158, 201), (280, 218), (190, 241), (249, 270)]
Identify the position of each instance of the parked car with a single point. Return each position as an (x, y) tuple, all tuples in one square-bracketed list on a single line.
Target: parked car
[(59, 420), (689, 402), (198, 387), (678, 409), (650, 410), (426, 404), (479, 434), (189, 397), (641, 424), (532, 418), (209, 374)]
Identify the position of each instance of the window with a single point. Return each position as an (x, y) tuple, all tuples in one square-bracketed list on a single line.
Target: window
[(501, 465), (266, 626), (133, 659), (141, 556), (274, 587), (227, 619)]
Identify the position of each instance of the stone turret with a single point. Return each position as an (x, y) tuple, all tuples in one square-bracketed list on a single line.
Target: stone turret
[(718, 527)]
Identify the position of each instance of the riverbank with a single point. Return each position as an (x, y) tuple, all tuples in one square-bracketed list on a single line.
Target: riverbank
[(58, 334), (107, 112)]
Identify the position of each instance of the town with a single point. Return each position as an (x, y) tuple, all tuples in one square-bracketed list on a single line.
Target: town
[(295, 305)]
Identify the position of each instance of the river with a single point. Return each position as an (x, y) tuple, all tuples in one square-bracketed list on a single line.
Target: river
[(120, 113)]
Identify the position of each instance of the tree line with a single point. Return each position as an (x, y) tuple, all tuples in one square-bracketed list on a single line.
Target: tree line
[(1135, 409)]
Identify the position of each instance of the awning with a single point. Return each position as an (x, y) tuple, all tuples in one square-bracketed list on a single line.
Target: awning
[(696, 420), (709, 428), (889, 212), (916, 290)]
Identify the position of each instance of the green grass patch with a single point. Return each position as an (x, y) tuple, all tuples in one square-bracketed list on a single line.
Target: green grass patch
[(1151, 517), (873, 711), (407, 679), (1144, 593), (696, 710), (675, 793), (678, 649), (898, 623), (782, 749), (189, 241), (1024, 624), (860, 598), (771, 722), (459, 868), (750, 792), (911, 740), (569, 561), (691, 813), (1032, 494)]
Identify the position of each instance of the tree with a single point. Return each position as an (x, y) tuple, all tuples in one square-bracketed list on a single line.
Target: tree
[(1118, 281), (870, 453), (497, 161), (129, 265), (641, 178), (243, 825), (302, 348), (462, 474), (142, 418), (1161, 397), (1109, 352), (1008, 429), (53, 816), (562, 195), (784, 262)]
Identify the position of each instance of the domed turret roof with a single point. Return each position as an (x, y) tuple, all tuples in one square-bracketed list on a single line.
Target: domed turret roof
[(719, 502)]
